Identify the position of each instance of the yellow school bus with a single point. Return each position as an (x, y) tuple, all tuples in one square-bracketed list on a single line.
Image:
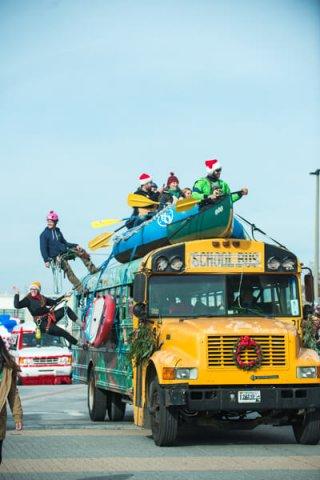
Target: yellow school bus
[(227, 317)]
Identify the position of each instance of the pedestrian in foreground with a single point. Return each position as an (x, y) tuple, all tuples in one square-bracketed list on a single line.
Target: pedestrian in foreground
[(8, 392)]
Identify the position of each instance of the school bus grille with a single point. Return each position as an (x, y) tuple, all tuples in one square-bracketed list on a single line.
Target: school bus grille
[(220, 350)]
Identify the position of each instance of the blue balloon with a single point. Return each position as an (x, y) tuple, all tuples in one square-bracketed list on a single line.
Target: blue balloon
[(7, 322)]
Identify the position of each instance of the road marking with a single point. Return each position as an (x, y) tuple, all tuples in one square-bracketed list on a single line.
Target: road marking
[(49, 394), (94, 430), (150, 464)]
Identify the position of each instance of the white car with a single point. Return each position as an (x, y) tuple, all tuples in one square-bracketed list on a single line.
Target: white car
[(44, 361)]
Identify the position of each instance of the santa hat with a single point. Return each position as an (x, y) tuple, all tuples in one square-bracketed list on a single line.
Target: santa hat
[(144, 178), (36, 285), (212, 165), (172, 178)]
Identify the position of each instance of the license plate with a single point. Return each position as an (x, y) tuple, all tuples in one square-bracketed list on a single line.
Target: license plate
[(249, 396)]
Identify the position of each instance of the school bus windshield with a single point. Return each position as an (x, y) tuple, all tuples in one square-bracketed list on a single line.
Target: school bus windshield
[(255, 295)]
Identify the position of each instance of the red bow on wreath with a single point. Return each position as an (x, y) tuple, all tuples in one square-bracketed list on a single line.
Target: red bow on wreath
[(243, 343)]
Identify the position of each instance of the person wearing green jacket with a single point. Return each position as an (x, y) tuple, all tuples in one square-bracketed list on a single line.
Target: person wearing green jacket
[(211, 187)]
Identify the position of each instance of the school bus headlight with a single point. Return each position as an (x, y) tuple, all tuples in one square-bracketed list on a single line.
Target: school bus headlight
[(162, 264), (307, 372), (273, 263), (186, 373), (176, 263), (171, 373), (289, 264)]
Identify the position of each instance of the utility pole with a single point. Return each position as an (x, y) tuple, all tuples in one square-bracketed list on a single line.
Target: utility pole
[(316, 238)]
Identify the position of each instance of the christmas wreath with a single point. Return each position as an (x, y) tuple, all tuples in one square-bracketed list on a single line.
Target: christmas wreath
[(243, 343), (142, 342)]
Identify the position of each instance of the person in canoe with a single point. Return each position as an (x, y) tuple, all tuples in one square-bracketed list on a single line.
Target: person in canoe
[(187, 192), (211, 187), (41, 309), (54, 248), (140, 215), (172, 191)]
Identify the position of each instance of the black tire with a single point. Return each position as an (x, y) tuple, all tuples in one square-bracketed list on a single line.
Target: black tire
[(97, 400), (164, 420), (307, 428), (116, 407)]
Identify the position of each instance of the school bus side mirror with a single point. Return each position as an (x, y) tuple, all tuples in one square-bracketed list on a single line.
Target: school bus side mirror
[(307, 310), (309, 288), (140, 311), (139, 287)]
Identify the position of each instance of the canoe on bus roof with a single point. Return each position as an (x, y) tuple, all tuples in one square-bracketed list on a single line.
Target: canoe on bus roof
[(169, 227)]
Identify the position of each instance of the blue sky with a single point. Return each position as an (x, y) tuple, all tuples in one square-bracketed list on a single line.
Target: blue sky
[(93, 93)]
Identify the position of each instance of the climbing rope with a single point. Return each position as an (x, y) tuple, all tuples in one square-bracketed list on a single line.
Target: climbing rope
[(57, 273)]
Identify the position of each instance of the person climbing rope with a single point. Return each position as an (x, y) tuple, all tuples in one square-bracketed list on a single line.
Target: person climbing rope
[(8, 392), (140, 215), (44, 316), (211, 187), (172, 191), (57, 251)]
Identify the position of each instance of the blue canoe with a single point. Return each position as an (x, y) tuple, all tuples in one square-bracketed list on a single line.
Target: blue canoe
[(169, 227)]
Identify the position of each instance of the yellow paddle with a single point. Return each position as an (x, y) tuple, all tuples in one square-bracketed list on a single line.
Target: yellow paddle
[(185, 204), (105, 222), (102, 245), (136, 200), (99, 240)]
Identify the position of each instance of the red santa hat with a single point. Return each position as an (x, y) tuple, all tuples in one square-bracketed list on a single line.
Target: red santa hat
[(144, 178), (212, 165)]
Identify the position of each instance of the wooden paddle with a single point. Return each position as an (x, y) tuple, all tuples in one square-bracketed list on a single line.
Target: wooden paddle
[(136, 200)]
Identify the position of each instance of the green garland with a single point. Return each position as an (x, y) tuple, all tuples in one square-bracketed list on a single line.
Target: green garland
[(309, 327), (143, 342)]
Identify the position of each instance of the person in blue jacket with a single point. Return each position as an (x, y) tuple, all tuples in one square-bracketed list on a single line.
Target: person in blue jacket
[(55, 248)]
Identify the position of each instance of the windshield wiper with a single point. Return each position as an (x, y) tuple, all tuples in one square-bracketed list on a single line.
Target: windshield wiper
[(256, 312)]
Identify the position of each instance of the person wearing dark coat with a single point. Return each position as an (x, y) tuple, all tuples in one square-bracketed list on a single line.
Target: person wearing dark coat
[(55, 248), (41, 309), (172, 192), (140, 215), (8, 392)]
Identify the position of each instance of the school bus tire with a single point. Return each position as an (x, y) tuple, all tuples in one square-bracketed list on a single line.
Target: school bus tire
[(97, 400), (164, 420), (116, 407), (307, 428)]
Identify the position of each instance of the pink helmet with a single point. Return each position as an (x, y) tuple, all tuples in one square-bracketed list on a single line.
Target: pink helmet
[(52, 215)]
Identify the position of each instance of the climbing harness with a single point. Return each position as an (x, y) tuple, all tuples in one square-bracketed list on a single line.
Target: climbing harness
[(57, 270)]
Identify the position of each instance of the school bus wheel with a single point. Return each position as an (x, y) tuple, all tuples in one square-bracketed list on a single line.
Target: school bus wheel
[(164, 420), (97, 400), (116, 407), (306, 429)]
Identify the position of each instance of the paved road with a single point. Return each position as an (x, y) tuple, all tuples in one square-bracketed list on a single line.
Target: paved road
[(59, 442)]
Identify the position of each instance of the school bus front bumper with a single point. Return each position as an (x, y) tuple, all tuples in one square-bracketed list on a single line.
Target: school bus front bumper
[(241, 397)]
